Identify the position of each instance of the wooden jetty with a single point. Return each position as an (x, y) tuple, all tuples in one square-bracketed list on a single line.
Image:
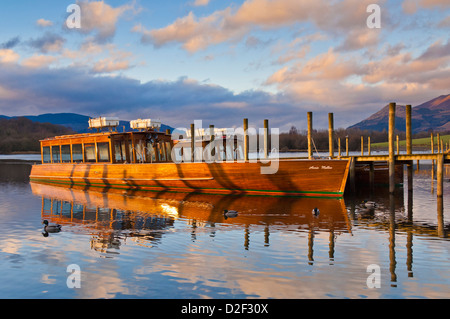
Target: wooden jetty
[(392, 159)]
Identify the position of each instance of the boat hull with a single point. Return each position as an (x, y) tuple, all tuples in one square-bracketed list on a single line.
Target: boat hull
[(323, 178)]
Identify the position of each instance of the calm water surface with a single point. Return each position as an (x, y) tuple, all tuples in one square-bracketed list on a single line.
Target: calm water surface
[(181, 246)]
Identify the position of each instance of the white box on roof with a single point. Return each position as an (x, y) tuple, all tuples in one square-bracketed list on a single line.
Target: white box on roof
[(103, 122), (145, 124)]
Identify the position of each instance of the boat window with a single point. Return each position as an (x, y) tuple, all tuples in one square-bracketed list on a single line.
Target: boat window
[(56, 154), (140, 151), (151, 155), (77, 153), (65, 153), (103, 152), (89, 152), (46, 154), (168, 151), (162, 152), (120, 151)]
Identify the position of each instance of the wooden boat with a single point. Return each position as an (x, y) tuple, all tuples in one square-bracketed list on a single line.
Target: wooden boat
[(142, 160)]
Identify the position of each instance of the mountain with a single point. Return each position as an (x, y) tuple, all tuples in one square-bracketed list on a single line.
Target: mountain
[(76, 122), (432, 115)]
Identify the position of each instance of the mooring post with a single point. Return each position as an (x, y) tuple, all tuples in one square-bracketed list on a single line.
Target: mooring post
[(438, 142), (391, 147), (331, 134), (368, 145), (408, 130), (309, 116), (440, 175), (339, 148), (246, 140), (362, 145), (409, 152), (192, 143), (346, 146), (352, 174), (432, 142), (398, 146), (212, 137), (432, 149), (266, 138), (371, 175)]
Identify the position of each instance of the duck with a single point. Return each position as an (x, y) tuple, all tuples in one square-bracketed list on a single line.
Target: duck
[(229, 213), (51, 228), (369, 204), (316, 212)]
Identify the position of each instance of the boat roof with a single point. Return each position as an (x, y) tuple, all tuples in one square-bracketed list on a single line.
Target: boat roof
[(97, 134)]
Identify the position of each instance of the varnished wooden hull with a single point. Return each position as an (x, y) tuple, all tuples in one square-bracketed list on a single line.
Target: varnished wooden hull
[(324, 178)]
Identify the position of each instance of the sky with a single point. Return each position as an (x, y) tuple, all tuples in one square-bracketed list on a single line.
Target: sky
[(221, 61)]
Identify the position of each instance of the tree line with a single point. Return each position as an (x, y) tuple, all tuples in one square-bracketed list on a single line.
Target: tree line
[(298, 139), (22, 135)]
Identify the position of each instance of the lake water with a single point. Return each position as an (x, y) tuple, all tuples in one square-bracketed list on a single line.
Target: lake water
[(180, 246)]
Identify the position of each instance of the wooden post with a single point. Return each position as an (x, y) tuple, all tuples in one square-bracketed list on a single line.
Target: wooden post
[(362, 145), (339, 148), (391, 147), (368, 145), (352, 174), (440, 175), (212, 137), (309, 116), (438, 142), (192, 143), (331, 134), (371, 175), (246, 140), (266, 139), (398, 146), (408, 130), (432, 142), (409, 152), (346, 146)]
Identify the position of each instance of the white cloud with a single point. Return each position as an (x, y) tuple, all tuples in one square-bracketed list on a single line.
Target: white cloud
[(8, 56), (100, 18), (44, 23), (346, 19), (199, 3)]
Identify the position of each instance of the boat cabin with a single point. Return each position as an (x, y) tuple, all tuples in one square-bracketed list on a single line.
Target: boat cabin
[(108, 147)]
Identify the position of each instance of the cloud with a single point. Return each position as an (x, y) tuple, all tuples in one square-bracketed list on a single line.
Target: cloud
[(48, 43), (346, 19), (10, 43), (338, 80), (177, 103), (8, 56), (44, 23), (412, 6), (199, 3), (101, 19), (39, 61)]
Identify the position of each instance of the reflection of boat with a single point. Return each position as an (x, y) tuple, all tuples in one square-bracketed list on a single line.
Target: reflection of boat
[(107, 210), (148, 161)]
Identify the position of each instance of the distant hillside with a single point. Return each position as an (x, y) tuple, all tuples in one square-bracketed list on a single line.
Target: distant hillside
[(432, 115), (76, 122), (22, 135)]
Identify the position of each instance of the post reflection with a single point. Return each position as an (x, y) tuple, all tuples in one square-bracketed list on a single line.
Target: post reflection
[(111, 219)]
